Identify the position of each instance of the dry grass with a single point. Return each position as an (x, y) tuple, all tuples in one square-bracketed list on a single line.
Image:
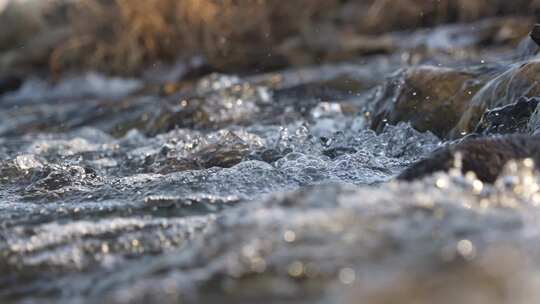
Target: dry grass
[(128, 34), (122, 36)]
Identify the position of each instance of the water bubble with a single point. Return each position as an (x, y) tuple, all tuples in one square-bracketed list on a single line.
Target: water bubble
[(347, 276), (296, 269), (289, 236)]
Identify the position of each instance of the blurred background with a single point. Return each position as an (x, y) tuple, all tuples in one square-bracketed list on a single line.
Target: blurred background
[(124, 37)]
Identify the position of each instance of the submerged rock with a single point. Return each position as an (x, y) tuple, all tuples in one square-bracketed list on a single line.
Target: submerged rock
[(533, 125), (486, 157), (227, 151), (513, 118), (428, 97), (9, 83), (217, 101)]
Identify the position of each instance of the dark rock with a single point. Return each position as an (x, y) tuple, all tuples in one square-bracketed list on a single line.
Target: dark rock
[(226, 152), (533, 125), (486, 157), (229, 151), (535, 34), (216, 101), (429, 98), (520, 80), (10, 83), (513, 118)]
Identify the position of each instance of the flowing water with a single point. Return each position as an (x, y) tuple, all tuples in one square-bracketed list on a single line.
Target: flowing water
[(268, 188)]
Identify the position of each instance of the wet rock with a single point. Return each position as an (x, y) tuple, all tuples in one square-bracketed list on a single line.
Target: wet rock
[(533, 126), (54, 179), (227, 151), (535, 34), (513, 118), (428, 97), (20, 169), (486, 157), (521, 79), (217, 101)]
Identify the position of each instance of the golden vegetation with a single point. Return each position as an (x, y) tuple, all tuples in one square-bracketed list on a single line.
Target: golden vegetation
[(122, 36)]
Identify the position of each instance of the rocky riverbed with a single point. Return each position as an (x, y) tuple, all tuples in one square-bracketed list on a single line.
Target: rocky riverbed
[(276, 187)]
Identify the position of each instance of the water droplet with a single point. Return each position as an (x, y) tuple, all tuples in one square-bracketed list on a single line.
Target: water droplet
[(347, 276)]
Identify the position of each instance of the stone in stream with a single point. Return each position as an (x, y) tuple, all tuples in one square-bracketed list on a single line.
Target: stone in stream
[(10, 83), (535, 34), (513, 118), (486, 157), (216, 101), (450, 102), (521, 79), (533, 125), (225, 151), (429, 98)]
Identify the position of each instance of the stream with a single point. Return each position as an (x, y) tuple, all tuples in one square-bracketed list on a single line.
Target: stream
[(275, 187)]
